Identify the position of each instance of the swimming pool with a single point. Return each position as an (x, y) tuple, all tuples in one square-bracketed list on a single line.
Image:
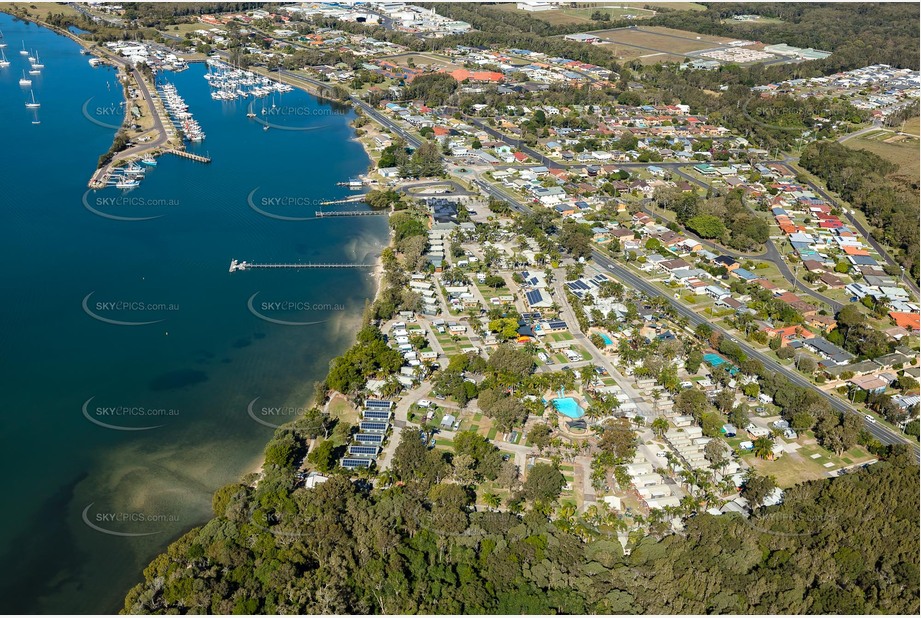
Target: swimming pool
[(607, 340), (567, 406)]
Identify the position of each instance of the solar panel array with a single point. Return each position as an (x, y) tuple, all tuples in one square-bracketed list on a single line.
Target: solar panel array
[(378, 404), (369, 438), (534, 296), (364, 450), (374, 426), (376, 415), (355, 462)]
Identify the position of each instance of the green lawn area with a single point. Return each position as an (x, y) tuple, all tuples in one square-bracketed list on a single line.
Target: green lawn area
[(563, 336), (492, 434), (444, 443), (343, 410), (489, 292)]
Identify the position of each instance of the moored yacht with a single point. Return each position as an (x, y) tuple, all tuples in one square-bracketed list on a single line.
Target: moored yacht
[(32, 104), (25, 81)]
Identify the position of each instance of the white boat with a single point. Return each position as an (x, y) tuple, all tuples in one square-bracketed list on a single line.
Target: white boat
[(33, 104), (34, 71), (95, 62), (2, 42), (126, 183), (25, 81), (38, 63), (149, 160), (31, 58), (4, 63), (23, 51)]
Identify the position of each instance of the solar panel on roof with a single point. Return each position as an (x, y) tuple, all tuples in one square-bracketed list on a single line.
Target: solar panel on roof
[(373, 426), (378, 404), (380, 415), (363, 450), (369, 438), (352, 462)]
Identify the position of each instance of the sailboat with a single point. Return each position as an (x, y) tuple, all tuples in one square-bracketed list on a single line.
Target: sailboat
[(30, 58), (37, 64), (23, 51), (33, 104), (3, 61), (25, 81), (2, 42)]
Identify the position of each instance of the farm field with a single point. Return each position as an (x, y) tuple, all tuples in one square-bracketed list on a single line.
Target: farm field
[(662, 40), (900, 149), (567, 16), (675, 6)]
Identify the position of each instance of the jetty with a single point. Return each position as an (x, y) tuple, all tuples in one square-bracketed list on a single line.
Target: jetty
[(188, 155), (244, 265), (352, 213), (349, 200)]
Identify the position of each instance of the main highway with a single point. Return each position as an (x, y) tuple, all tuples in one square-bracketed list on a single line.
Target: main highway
[(879, 431)]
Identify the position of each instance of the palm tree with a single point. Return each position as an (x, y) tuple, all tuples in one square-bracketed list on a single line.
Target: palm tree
[(764, 447), (659, 426), (492, 500)]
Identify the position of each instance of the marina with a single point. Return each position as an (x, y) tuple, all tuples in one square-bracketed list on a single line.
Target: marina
[(229, 83), (179, 113)]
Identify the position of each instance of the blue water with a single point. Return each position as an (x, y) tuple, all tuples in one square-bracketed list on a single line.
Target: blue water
[(567, 406), (206, 357), (607, 340)]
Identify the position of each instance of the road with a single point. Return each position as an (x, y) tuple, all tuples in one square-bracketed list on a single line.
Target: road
[(906, 277), (598, 358), (880, 432)]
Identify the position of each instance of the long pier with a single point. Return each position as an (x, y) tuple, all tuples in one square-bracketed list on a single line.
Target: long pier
[(355, 199), (244, 265), (352, 213), (188, 155)]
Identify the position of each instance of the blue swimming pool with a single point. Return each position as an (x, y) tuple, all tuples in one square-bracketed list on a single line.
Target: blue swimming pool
[(607, 340), (567, 406)]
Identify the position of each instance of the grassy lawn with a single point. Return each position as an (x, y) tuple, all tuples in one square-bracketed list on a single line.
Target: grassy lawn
[(900, 149), (789, 469), (343, 410), (38, 9), (492, 434)]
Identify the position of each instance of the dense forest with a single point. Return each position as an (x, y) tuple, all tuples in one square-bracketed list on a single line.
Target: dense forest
[(414, 544), (863, 179)]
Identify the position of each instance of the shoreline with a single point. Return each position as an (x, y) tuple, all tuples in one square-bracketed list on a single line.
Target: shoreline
[(125, 76), (377, 273)]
